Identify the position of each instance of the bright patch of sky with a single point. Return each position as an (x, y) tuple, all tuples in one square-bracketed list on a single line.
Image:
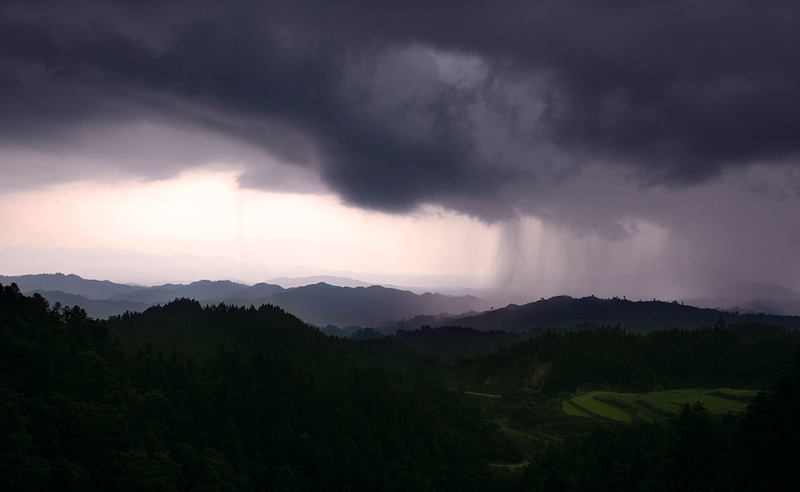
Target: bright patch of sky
[(205, 213)]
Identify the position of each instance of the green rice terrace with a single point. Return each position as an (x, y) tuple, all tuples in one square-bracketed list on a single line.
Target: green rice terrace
[(627, 407)]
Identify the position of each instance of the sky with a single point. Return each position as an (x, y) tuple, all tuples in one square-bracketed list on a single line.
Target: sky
[(644, 149)]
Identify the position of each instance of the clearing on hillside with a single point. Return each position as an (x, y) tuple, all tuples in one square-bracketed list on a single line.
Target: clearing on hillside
[(625, 407)]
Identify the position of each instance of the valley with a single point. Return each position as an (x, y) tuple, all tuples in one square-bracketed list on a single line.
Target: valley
[(314, 246), (275, 402)]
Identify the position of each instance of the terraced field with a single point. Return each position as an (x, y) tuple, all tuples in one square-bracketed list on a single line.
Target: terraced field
[(571, 408), (625, 407)]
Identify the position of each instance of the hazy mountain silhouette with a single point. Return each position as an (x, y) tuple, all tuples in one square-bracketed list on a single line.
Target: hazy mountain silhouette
[(752, 297), (753, 291), (640, 316), (258, 291), (323, 304), (289, 282), (319, 304), (203, 290), (71, 284)]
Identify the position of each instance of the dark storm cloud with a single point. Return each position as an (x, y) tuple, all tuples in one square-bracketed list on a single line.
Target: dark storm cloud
[(479, 107)]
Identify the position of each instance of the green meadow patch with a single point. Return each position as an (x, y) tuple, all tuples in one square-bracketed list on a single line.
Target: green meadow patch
[(595, 404), (571, 408), (625, 407)]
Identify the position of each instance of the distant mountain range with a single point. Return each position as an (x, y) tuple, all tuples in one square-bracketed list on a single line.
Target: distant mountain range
[(319, 304), (322, 304)]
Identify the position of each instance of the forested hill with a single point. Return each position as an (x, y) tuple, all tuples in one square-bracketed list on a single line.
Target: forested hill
[(637, 317), (197, 331), (611, 358), (82, 408)]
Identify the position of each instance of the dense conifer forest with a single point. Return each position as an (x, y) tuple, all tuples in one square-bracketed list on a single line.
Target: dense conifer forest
[(262, 403), (186, 397), (587, 357)]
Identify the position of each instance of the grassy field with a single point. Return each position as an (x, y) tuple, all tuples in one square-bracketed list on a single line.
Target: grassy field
[(625, 407), (571, 409), (595, 404)]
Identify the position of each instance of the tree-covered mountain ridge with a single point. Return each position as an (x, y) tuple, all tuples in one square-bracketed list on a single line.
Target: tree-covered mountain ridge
[(563, 312)]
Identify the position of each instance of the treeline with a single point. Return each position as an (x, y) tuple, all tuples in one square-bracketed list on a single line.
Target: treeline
[(609, 357), (119, 405), (449, 343)]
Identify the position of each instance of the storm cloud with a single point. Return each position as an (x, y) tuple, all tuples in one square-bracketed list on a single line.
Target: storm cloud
[(491, 110)]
